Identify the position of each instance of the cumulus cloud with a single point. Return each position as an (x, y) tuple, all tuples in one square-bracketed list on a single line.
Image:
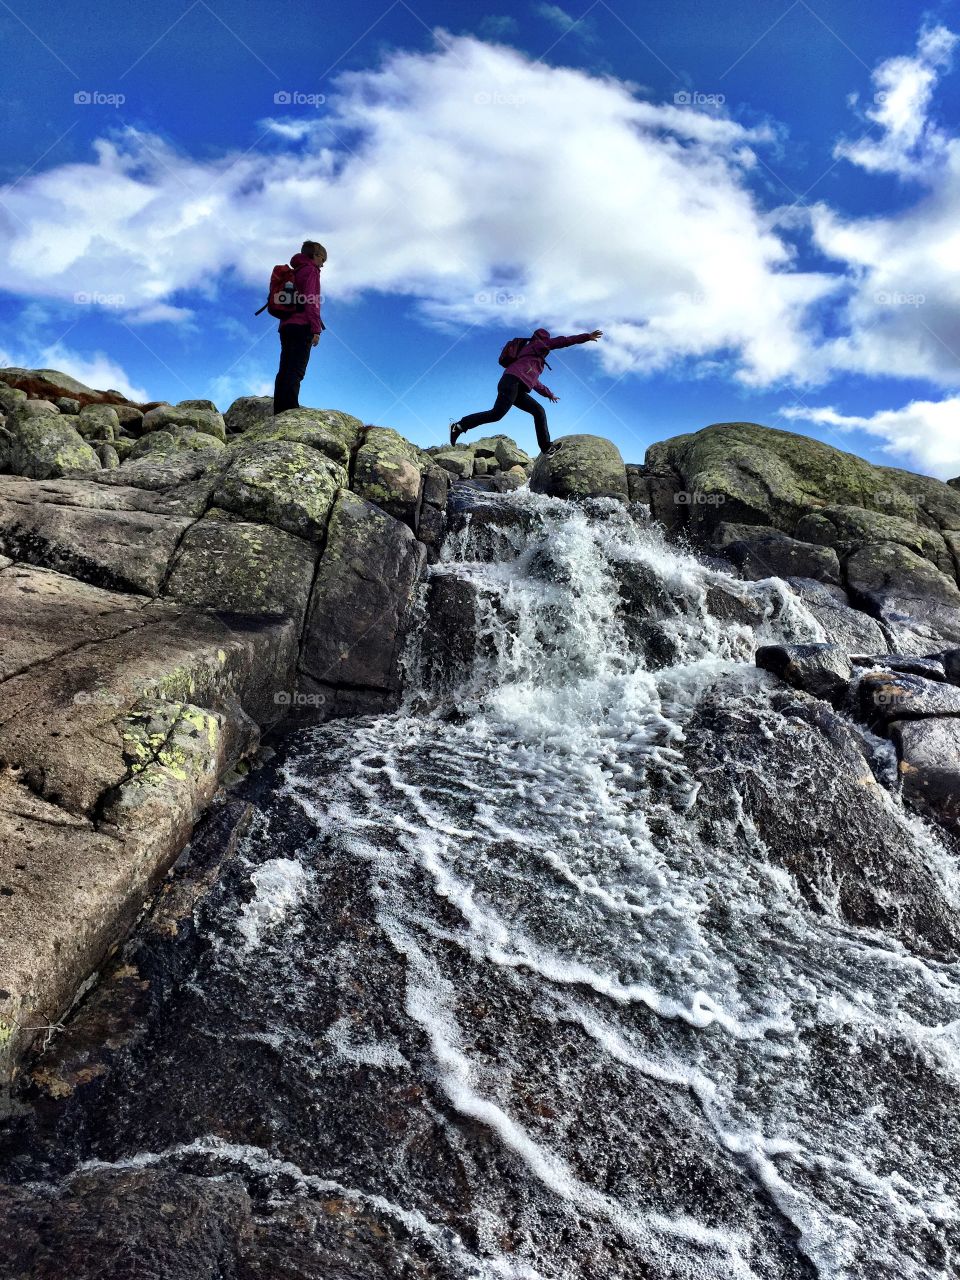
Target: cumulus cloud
[(497, 191), (901, 313), (926, 433), (457, 177), (910, 144)]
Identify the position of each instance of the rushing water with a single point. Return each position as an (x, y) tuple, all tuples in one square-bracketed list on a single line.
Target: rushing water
[(483, 974)]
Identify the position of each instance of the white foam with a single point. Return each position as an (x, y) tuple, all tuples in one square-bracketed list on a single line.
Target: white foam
[(279, 885)]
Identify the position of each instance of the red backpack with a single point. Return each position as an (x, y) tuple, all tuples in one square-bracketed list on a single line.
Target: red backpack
[(512, 349), (281, 300)]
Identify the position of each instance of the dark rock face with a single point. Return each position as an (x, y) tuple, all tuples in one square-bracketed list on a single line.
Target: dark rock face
[(823, 670), (888, 695), (835, 834), (773, 554), (930, 765), (852, 629), (361, 597), (917, 603)]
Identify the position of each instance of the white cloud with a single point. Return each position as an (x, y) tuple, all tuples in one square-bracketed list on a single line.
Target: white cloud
[(95, 369), (448, 177), (925, 432), (493, 190), (910, 144), (901, 315)]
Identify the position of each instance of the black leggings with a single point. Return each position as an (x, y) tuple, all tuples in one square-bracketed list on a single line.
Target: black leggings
[(296, 342), (511, 391)]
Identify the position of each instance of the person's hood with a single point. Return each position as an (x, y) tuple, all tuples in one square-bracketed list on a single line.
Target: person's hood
[(299, 259)]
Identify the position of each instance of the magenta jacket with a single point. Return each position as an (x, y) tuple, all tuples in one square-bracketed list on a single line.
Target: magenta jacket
[(308, 284), (528, 366)]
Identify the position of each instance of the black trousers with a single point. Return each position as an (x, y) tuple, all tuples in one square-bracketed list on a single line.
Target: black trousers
[(295, 343), (511, 391)]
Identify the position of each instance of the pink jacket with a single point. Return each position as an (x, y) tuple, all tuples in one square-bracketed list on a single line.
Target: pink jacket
[(528, 366), (307, 279)]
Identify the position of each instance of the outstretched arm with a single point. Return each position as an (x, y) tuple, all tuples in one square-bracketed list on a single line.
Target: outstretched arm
[(554, 344)]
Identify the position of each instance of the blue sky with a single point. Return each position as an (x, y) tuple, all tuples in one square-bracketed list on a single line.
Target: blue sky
[(756, 202)]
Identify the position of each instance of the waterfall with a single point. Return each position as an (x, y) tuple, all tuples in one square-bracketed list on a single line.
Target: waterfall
[(535, 970)]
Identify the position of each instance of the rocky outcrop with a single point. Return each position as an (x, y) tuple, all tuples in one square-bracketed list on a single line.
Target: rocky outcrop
[(888, 537), (161, 606)]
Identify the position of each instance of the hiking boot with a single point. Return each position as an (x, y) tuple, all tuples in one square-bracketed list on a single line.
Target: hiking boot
[(456, 431)]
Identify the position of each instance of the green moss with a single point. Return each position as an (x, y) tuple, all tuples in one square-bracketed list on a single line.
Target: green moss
[(775, 477), (285, 484)]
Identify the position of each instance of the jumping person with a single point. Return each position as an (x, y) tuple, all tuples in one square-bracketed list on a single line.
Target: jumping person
[(300, 331), (522, 376)]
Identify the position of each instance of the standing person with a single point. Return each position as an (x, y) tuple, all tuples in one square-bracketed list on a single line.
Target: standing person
[(521, 377), (301, 330)]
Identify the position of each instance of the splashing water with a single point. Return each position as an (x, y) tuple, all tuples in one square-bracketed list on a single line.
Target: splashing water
[(627, 1040)]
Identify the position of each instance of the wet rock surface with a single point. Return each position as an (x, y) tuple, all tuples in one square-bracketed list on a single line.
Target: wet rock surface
[(559, 969)]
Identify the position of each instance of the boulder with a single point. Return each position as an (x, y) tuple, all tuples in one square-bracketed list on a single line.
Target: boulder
[(509, 454), (109, 457), (117, 550), (162, 444), (331, 433), (851, 629), (68, 405), (767, 553), (11, 398), (45, 446), (951, 665), (848, 528), (822, 670), (930, 765), (387, 471), (280, 482), (206, 405), (457, 459), (51, 384), (900, 695), (130, 417), (35, 408), (361, 597), (247, 412), (166, 416), (746, 473), (98, 421), (581, 466), (245, 568), (918, 605)]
